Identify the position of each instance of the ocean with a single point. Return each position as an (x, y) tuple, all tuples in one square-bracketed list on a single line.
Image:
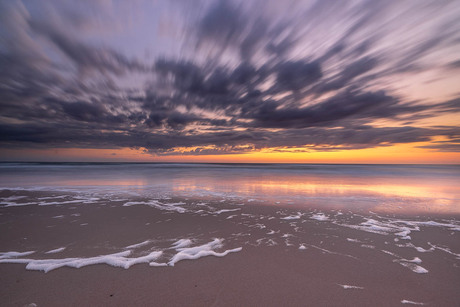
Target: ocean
[(398, 188)]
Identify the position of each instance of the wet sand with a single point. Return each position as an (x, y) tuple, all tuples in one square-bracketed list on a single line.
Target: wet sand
[(289, 255)]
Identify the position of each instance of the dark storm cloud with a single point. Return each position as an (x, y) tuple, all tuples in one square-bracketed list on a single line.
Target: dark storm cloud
[(263, 83), (297, 75), (448, 146), (231, 142), (349, 73), (91, 112), (187, 76), (330, 112)]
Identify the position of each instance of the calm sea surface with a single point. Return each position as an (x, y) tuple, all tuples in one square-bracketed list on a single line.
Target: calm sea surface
[(391, 188)]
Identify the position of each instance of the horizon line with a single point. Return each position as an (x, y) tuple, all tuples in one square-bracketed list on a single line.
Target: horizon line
[(261, 163)]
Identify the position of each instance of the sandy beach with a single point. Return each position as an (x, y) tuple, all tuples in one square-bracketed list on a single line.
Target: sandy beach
[(72, 249)]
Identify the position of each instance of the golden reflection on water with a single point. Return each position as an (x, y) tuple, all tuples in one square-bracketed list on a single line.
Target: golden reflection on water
[(390, 195), (110, 182)]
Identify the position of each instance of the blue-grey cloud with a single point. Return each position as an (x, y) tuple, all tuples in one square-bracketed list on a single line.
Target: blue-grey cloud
[(247, 75)]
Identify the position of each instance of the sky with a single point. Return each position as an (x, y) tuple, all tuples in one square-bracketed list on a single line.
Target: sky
[(370, 81)]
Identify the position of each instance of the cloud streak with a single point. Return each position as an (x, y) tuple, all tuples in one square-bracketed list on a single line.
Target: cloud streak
[(244, 77)]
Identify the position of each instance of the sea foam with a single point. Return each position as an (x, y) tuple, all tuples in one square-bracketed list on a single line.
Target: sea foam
[(120, 259), (158, 205), (54, 251), (319, 217), (199, 251)]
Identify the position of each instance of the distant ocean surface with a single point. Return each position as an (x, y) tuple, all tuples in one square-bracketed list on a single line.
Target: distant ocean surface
[(392, 188)]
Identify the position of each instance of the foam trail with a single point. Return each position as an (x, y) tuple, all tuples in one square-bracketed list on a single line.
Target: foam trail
[(182, 243), (12, 198), (420, 249), (51, 197), (13, 204), (8, 255), (319, 217), (411, 302), (138, 245), (350, 287), (54, 251), (444, 249), (293, 217), (116, 260), (226, 210), (62, 202), (153, 263), (414, 267), (353, 240), (156, 204), (415, 260), (200, 251), (333, 253)]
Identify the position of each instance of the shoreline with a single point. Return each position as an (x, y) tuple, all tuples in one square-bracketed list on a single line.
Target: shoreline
[(266, 255)]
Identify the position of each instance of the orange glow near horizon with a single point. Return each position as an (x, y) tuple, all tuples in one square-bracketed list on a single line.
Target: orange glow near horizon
[(402, 153)]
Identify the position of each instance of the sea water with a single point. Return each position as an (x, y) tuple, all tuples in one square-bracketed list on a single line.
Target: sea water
[(399, 188)]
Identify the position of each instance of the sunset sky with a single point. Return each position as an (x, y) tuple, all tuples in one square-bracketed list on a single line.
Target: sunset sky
[(374, 81)]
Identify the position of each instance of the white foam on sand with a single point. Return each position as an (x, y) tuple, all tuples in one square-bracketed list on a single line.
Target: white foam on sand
[(153, 263), (302, 246), (120, 259), (183, 247), (384, 227), (411, 302), (196, 252), (410, 264), (182, 243), (156, 204), (420, 249), (54, 251), (293, 217), (350, 287), (10, 201), (138, 245), (413, 267), (52, 197), (10, 198), (444, 249), (319, 217), (226, 210), (332, 253), (398, 227), (7, 255), (64, 202), (14, 204), (449, 226), (354, 240), (415, 260)]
